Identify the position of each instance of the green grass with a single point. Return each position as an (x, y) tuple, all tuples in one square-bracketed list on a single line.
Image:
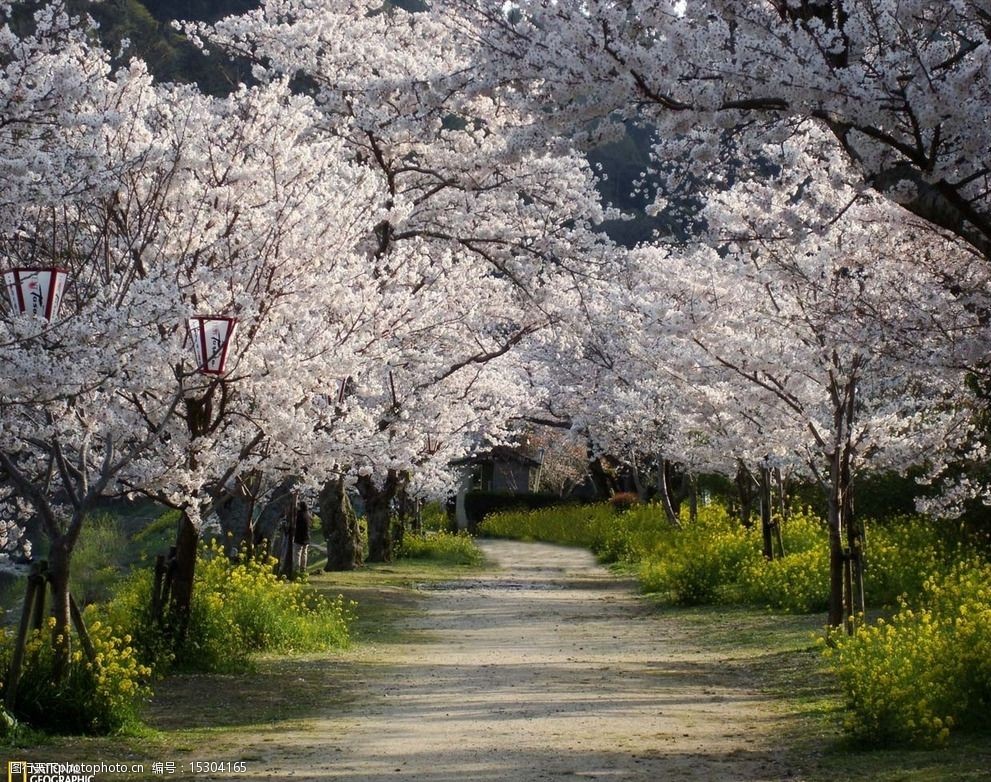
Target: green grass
[(209, 714), (780, 653)]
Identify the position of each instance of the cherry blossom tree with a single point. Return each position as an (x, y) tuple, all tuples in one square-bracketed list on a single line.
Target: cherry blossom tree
[(897, 84), (494, 242), (69, 132), (162, 204), (815, 335)]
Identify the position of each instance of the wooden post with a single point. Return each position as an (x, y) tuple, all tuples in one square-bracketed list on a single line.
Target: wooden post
[(35, 583), (84, 639)]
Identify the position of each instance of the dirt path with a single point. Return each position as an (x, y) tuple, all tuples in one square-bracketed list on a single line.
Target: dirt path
[(548, 669)]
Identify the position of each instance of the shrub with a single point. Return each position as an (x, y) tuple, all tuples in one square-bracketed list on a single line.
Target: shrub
[(701, 562), (903, 553), (239, 608), (452, 548), (914, 679), (797, 583), (480, 504), (94, 697), (632, 536), (803, 531), (571, 525)]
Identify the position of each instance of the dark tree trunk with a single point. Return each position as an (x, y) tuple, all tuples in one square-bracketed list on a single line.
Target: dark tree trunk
[(199, 412), (235, 518), (855, 546), (273, 513), (693, 498), (745, 491), (840, 606), (669, 500), (287, 566), (184, 570), (835, 618), (604, 484), (378, 504), (416, 516), (765, 513), (340, 527), (59, 557)]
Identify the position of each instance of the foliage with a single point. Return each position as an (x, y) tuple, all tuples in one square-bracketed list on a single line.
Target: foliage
[(570, 525), (715, 559), (479, 504), (239, 608), (94, 697), (452, 548), (926, 672), (797, 583), (96, 559), (434, 518), (906, 551), (701, 562)]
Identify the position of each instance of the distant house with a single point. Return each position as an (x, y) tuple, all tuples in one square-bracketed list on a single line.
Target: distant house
[(503, 469)]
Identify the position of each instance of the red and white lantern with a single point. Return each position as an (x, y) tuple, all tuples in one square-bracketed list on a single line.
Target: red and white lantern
[(211, 340), (36, 292)]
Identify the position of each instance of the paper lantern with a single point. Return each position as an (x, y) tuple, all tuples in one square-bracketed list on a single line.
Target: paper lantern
[(211, 339), (36, 292)]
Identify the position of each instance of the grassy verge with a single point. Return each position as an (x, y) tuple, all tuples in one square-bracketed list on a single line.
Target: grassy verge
[(780, 654), (232, 716)]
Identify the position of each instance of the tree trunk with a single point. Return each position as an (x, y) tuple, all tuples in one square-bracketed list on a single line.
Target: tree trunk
[(401, 519), (378, 514), (745, 491), (835, 618), (638, 484), (340, 527), (287, 567), (416, 516), (59, 557), (604, 485), (837, 556), (765, 513), (855, 545), (668, 502), (184, 569)]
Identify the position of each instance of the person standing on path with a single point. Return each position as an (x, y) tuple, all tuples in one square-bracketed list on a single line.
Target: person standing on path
[(301, 537)]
